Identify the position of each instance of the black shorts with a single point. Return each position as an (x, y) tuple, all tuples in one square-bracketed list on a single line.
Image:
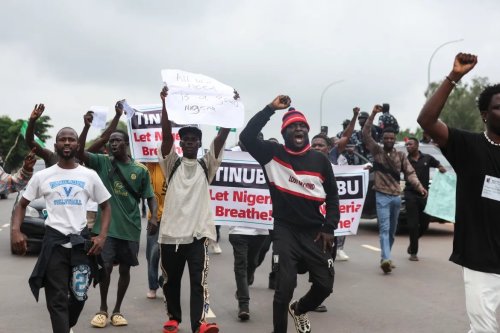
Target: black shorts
[(120, 251)]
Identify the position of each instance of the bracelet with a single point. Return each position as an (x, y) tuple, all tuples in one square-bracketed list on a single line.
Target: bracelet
[(454, 83)]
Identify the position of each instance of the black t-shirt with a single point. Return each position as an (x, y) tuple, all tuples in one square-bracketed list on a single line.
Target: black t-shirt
[(422, 166), (476, 244)]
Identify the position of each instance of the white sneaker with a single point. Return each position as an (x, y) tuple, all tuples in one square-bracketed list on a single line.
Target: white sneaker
[(151, 294), (341, 256), (216, 248)]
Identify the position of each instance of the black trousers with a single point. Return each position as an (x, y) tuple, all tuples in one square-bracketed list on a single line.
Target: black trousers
[(246, 249), (173, 260), (294, 248), (64, 308), (418, 221)]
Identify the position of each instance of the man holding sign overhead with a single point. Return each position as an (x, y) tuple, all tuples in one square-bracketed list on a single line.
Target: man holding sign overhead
[(300, 180), (187, 222)]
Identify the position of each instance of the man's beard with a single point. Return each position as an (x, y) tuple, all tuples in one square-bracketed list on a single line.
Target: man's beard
[(495, 128), (61, 154)]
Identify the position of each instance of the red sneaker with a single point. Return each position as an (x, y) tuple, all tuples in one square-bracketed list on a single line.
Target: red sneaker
[(208, 328), (171, 326)]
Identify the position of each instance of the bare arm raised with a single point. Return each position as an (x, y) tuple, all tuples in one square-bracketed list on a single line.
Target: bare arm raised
[(346, 135), (166, 126), (368, 140), (44, 153), (104, 138), (429, 116)]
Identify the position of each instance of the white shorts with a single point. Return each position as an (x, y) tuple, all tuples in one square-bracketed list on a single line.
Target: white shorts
[(482, 298)]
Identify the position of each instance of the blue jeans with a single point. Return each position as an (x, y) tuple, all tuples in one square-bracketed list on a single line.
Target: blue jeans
[(388, 207), (153, 258)]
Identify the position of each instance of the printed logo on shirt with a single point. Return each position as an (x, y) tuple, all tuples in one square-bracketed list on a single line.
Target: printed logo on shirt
[(133, 176), (68, 190), (119, 189)]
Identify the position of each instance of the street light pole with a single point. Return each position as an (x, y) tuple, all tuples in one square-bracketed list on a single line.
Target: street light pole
[(432, 56), (321, 101)]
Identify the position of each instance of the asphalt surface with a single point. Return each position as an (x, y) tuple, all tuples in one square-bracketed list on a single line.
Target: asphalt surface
[(423, 296)]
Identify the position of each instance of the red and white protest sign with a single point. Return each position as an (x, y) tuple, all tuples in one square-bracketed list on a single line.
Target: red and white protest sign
[(240, 196)]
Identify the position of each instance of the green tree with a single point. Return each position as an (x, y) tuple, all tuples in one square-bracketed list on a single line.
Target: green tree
[(460, 110), (13, 148), (408, 133)]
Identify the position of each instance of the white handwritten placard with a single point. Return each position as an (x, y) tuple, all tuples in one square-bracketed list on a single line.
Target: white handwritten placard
[(100, 115), (199, 99)]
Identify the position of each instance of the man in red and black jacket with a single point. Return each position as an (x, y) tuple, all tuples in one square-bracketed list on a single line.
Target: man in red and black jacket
[(300, 180)]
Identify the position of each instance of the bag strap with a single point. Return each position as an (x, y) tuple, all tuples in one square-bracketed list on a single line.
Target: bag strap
[(204, 166), (177, 163), (116, 169)]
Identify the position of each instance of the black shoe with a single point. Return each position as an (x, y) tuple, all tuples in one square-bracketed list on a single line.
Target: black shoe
[(244, 315), (386, 266), (321, 308)]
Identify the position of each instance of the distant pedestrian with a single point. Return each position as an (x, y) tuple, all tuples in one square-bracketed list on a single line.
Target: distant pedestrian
[(418, 221), (152, 248), (388, 165), (386, 119)]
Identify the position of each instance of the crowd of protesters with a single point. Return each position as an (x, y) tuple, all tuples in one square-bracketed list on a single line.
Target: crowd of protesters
[(94, 217)]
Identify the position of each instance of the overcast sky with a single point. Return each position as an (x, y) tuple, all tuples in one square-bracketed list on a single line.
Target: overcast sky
[(71, 55)]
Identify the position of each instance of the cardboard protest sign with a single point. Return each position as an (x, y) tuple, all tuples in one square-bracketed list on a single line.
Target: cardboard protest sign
[(199, 99), (441, 200)]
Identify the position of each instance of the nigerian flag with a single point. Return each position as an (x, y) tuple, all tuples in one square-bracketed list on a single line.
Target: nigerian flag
[(23, 133)]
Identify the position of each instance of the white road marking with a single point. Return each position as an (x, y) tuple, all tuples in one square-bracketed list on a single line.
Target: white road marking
[(369, 247), (210, 313), (5, 225)]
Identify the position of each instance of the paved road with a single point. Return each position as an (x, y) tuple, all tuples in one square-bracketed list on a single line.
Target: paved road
[(424, 296)]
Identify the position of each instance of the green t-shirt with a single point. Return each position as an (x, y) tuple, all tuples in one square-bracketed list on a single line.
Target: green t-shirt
[(125, 212)]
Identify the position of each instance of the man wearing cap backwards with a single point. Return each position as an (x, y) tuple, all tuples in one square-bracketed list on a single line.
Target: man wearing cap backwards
[(187, 223), (300, 180)]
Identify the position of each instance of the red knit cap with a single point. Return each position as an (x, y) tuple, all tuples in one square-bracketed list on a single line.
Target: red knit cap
[(293, 116)]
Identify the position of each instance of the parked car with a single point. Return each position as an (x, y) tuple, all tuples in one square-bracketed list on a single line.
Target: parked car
[(369, 209), (33, 225)]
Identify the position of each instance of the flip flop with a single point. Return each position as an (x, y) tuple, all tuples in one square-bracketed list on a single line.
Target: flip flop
[(100, 319), (117, 319)]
